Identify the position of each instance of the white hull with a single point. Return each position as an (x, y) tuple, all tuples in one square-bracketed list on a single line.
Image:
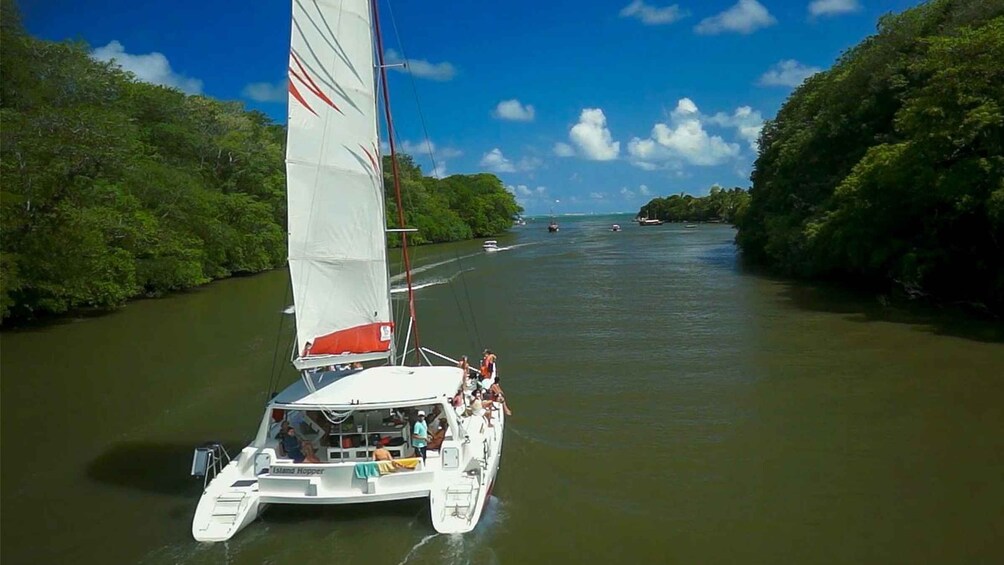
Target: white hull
[(456, 479)]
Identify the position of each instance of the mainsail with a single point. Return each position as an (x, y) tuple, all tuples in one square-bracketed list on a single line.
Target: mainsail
[(337, 245)]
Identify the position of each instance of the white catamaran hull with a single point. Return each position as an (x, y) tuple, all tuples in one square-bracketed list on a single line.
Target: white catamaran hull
[(457, 479)]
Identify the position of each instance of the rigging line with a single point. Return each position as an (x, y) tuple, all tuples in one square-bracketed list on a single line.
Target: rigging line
[(414, 88), (432, 157), (460, 307), (474, 317), (397, 175), (272, 375)]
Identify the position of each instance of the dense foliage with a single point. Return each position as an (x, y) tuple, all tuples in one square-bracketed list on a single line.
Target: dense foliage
[(889, 167), (111, 188), (719, 205)]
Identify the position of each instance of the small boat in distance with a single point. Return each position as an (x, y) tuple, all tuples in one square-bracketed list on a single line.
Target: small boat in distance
[(615, 227), (490, 246), (552, 227), (648, 222), (690, 226)]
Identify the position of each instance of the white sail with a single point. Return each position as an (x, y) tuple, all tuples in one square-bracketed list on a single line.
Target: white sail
[(337, 245)]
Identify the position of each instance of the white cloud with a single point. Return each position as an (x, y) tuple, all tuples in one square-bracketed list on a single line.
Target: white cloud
[(745, 17), (529, 163), (542, 191), (513, 110), (151, 67), (266, 91), (563, 150), (681, 141), (747, 121), (596, 195), (495, 161), (787, 73), (627, 193), (833, 7), (420, 67), (592, 138), (651, 15), (643, 190)]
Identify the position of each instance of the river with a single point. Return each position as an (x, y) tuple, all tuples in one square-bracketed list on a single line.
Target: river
[(669, 407)]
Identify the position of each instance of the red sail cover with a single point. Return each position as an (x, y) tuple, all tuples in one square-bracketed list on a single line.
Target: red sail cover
[(368, 338)]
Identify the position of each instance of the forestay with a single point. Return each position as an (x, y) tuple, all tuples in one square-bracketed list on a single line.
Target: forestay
[(337, 246)]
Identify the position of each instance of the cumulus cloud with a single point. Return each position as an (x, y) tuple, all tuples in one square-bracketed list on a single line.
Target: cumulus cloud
[(683, 140), (747, 122), (833, 7), (420, 67), (266, 91), (592, 138), (746, 16), (789, 73), (513, 110), (596, 195), (627, 193), (495, 161), (643, 190), (151, 67), (564, 150), (651, 15)]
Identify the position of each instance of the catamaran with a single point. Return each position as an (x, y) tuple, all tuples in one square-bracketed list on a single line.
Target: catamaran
[(350, 429)]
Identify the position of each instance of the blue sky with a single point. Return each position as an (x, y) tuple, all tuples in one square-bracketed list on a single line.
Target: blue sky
[(577, 106)]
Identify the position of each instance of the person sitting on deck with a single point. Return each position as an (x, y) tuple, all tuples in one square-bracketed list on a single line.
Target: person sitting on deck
[(482, 407), (437, 438), (381, 453), (297, 450), (498, 395)]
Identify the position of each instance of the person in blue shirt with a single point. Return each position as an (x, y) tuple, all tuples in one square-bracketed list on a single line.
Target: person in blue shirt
[(420, 435)]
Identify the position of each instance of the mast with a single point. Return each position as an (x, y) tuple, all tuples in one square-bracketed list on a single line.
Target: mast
[(413, 321)]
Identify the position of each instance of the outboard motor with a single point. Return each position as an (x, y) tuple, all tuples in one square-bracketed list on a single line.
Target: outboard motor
[(208, 461)]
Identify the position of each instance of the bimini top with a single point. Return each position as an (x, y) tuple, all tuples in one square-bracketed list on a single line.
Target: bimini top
[(391, 385)]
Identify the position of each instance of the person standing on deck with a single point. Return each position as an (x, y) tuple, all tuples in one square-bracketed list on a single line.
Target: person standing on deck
[(420, 435), (488, 364)]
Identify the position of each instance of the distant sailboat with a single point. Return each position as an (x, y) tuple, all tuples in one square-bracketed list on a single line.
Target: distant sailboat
[(317, 441)]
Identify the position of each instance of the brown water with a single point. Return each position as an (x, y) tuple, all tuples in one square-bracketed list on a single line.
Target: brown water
[(669, 407)]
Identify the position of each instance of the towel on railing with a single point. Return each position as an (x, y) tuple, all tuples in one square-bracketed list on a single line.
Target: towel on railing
[(367, 470), (377, 468)]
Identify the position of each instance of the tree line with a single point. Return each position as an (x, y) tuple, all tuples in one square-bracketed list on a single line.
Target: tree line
[(111, 188), (888, 169), (724, 205)]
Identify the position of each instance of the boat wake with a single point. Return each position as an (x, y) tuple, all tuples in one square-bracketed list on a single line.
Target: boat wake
[(463, 549), (435, 282)]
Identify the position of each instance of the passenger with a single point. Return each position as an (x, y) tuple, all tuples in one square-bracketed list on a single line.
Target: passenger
[(420, 435), (488, 364), (498, 395), (294, 448), (357, 365), (437, 438), (381, 453), (482, 407)]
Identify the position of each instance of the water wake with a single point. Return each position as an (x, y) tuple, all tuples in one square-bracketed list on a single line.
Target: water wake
[(435, 282)]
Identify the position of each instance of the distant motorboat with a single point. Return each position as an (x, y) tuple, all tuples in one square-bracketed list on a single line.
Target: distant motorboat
[(490, 246), (552, 227), (615, 227), (648, 222), (690, 226)]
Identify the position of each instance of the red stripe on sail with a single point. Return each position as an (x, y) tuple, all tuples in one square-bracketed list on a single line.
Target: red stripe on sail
[(368, 338), (372, 160), (296, 94), (310, 84)]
